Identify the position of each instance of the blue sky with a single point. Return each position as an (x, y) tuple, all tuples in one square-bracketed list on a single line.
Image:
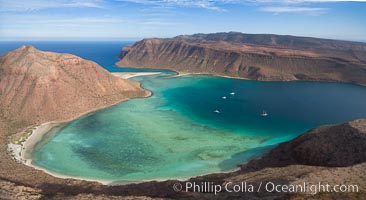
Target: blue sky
[(135, 19)]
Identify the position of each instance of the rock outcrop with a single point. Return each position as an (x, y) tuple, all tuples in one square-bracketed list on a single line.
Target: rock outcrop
[(339, 145), (255, 56), (37, 86)]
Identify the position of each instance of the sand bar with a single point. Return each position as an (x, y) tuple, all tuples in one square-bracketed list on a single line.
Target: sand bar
[(127, 75)]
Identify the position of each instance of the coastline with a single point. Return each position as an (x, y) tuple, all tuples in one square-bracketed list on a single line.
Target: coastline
[(241, 78), (40, 131), (21, 151), (208, 74), (127, 75), (25, 144)]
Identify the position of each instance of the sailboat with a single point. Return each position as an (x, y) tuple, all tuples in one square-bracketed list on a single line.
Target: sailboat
[(264, 114)]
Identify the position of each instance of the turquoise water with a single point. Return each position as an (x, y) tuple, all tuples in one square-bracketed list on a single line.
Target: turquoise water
[(176, 133)]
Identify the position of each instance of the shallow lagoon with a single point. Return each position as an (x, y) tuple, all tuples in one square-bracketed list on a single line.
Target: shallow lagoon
[(176, 133)]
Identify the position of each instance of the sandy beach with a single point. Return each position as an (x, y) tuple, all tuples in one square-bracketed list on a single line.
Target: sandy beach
[(22, 153), (208, 74), (21, 147), (25, 142), (30, 143), (127, 75)]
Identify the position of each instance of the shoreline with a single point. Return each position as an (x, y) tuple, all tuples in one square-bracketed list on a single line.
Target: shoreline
[(242, 78), (207, 74), (128, 75), (21, 151)]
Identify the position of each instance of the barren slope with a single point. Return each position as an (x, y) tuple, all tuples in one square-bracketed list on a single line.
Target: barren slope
[(258, 57), (37, 86)]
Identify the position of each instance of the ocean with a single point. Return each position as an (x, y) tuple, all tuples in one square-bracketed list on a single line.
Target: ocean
[(192, 125)]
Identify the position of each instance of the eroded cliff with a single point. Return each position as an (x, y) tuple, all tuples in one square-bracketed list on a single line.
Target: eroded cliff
[(258, 57)]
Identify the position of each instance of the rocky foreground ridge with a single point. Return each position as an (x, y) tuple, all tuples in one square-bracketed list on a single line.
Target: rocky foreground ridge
[(254, 56), (338, 145), (330, 154)]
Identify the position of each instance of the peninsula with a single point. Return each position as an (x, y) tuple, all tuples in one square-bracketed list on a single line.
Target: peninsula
[(264, 57), (38, 87)]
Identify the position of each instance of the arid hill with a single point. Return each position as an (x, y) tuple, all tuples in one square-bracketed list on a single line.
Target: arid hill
[(254, 56), (37, 86)]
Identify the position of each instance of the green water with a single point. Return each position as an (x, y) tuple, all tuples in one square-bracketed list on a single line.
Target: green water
[(176, 133)]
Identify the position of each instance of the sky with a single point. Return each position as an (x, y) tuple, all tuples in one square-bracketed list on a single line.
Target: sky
[(136, 19)]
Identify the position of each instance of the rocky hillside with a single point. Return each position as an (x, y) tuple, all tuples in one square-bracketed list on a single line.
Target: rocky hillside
[(253, 56), (333, 154), (338, 145), (37, 86)]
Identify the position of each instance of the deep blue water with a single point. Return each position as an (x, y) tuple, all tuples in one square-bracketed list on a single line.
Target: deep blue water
[(293, 107), (103, 53)]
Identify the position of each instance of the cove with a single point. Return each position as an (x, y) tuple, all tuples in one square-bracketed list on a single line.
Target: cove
[(176, 134)]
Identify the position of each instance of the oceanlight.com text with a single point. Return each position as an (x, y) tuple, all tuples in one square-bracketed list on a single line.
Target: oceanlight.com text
[(245, 187)]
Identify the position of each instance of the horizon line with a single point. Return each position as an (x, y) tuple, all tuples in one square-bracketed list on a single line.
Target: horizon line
[(129, 39)]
